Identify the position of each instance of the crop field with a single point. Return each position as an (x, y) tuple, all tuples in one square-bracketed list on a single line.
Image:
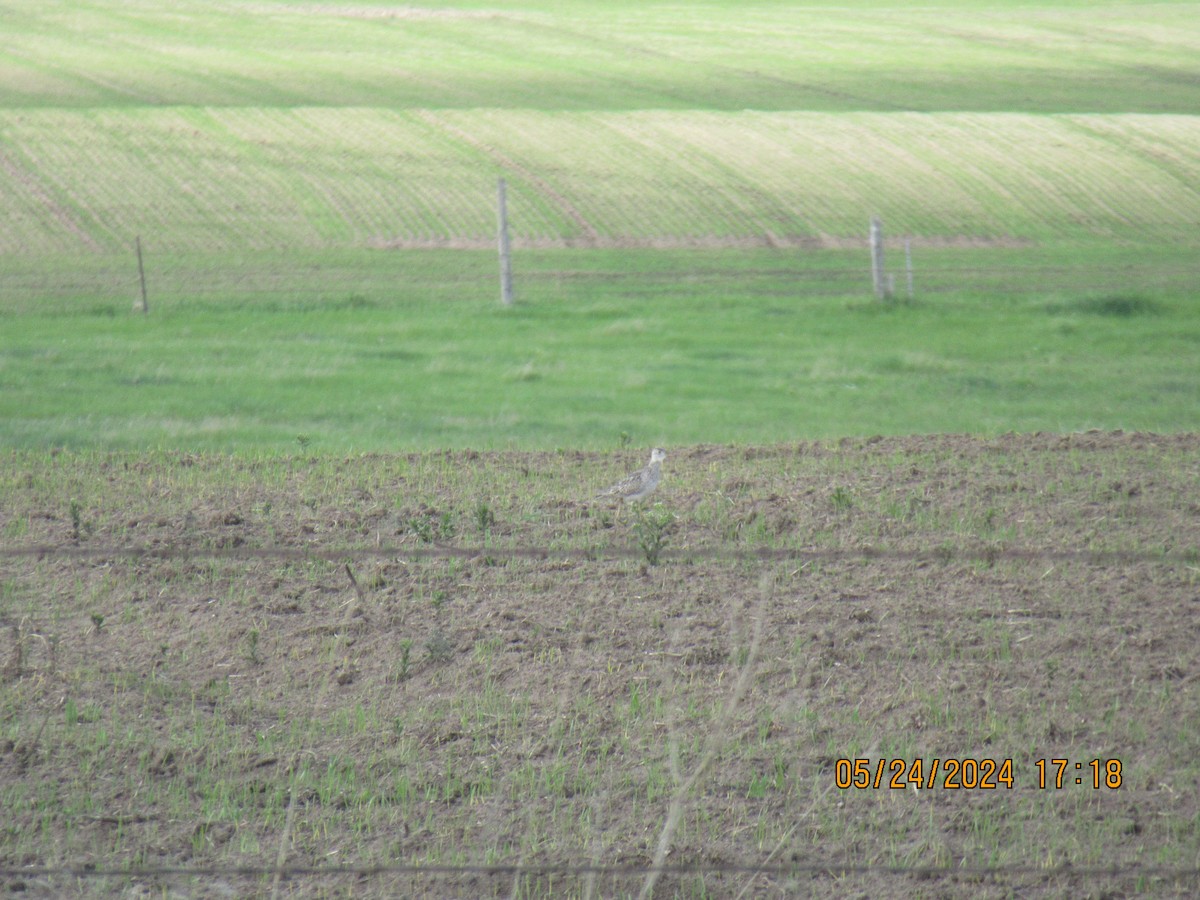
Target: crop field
[(302, 591), (197, 180), (241, 126), (456, 660), (984, 55)]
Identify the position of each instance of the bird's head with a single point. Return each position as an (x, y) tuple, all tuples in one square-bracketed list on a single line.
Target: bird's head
[(658, 454)]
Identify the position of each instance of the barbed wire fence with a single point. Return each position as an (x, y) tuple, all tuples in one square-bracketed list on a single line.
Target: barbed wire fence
[(166, 280), (778, 870), (942, 553)]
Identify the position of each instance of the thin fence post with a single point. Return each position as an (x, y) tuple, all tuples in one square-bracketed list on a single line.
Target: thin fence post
[(878, 280), (142, 305), (506, 288), (908, 265)]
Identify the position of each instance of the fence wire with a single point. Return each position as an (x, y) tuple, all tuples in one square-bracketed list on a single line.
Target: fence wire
[(778, 870), (1189, 557), (175, 286)]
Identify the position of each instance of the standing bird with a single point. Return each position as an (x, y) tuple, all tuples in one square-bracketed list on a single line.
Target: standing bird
[(639, 484)]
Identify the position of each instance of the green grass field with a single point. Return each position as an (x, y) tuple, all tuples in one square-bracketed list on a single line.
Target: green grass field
[(678, 351)]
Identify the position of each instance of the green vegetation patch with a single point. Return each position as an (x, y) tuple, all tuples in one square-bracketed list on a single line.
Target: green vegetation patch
[(1119, 305), (412, 349)]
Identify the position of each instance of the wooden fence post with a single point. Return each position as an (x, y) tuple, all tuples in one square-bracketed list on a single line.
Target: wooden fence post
[(506, 288), (908, 265), (878, 279), (140, 306)]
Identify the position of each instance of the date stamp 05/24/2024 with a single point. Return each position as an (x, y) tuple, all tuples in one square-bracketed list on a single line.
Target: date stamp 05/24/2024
[(969, 774)]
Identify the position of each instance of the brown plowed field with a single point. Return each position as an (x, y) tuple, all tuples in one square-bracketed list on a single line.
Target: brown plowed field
[(460, 660)]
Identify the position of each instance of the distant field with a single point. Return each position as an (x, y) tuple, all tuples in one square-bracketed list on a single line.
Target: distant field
[(235, 126), (998, 56), (689, 191), (238, 179)]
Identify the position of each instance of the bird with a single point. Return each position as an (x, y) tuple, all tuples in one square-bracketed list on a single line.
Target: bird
[(640, 484)]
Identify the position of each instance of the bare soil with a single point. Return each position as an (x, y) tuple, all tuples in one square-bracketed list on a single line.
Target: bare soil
[(454, 659)]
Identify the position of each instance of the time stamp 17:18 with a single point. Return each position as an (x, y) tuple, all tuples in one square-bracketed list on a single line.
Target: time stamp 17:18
[(969, 774)]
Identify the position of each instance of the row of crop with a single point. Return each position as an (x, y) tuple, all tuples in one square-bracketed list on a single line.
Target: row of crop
[(533, 55), (252, 179)]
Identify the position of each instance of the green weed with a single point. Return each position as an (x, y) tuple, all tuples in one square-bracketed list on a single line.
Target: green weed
[(439, 647), (652, 529), (485, 518), (252, 651)]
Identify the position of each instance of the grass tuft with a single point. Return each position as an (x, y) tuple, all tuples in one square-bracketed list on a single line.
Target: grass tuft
[(1122, 306)]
